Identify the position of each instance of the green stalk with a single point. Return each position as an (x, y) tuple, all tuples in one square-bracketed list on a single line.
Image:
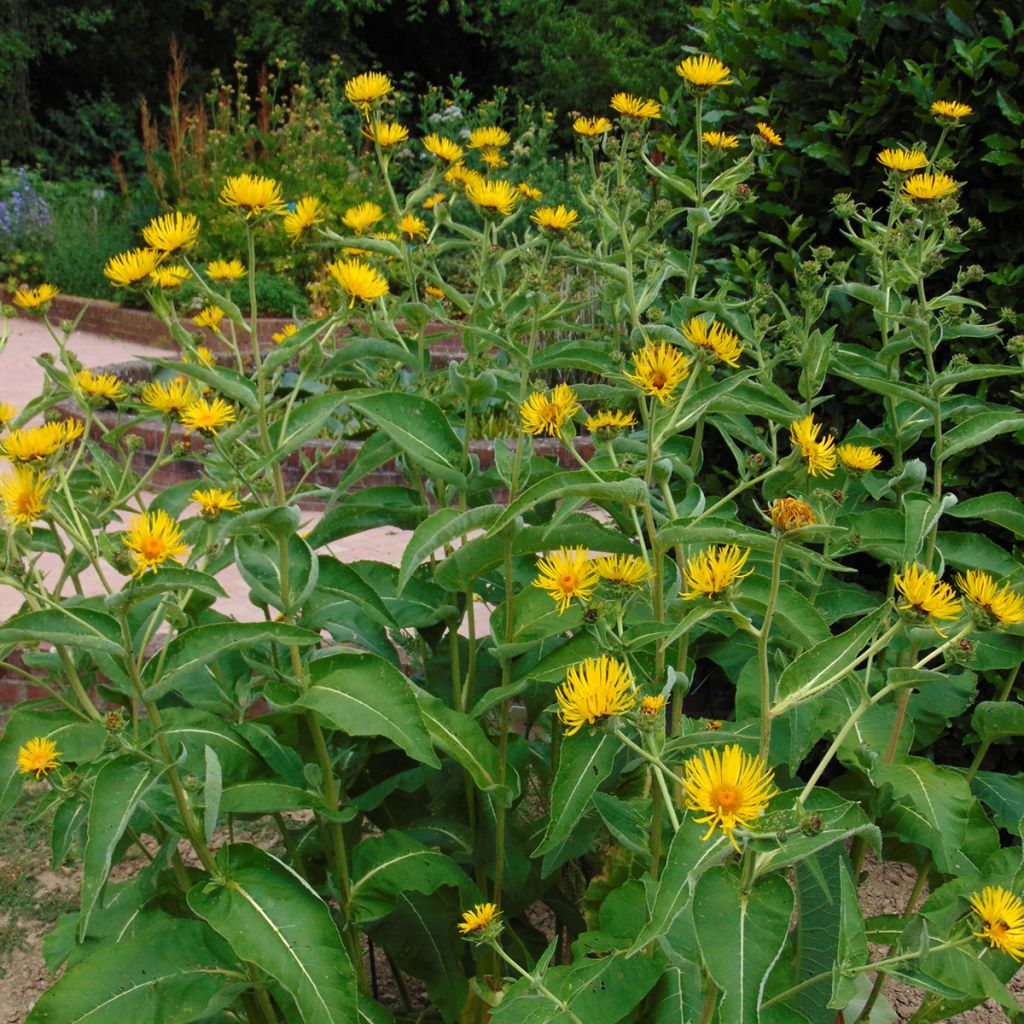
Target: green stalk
[(1004, 695), (762, 647)]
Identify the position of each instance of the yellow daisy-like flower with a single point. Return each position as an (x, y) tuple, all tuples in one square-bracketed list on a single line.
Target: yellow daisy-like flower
[(209, 316), (434, 292), (169, 278), (7, 413), (173, 232), (791, 514), (544, 413), (950, 110), (131, 268), (720, 140), (204, 356), (207, 416), (903, 160), (412, 227), (729, 787), (252, 195), (492, 196), (101, 385), (460, 174), (490, 136), (1000, 604), (35, 298), (859, 458), (308, 211), (659, 370), (284, 334), (37, 443), (358, 280), (386, 134), (566, 574), (594, 689), (388, 236), (611, 419), (589, 127), (627, 570), (712, 572), (925, 594), (925, 188), (704, 72), (555, 218), (527, 191), (493, 159), (768, 133), (362, 218), (366, 89), (172, 398), (444, 149), (1002, 920), (24, 496), (38, 757), (482, 915), (433, 201), (652, 705), (714, 338), (635, 106), (819, 454), (212, 501), (225, 270), (154, 538)]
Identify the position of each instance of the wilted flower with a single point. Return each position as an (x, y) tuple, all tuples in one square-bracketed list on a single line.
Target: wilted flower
[(791, 514)]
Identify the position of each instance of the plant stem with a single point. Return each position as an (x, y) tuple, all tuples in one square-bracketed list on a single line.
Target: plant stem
[(762, 647)]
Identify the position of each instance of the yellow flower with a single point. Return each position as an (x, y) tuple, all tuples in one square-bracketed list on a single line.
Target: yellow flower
[(386, 134), (130, 268), (359, 219), (209, 316), (591, 126), (24, 496), (284, 334), (225, 270), (712, 572), (565, 574), (169, 277), (365, 89), (478, 918), (1001, 605), (652, 705), (704, 72), (460, 174), (596, 688), (950, 110), (660, 369), (204, 357), (1002, 920), (545, 413), (924, 188), (903, 159), (496, 196), (791, 514), (731, 788), (253, 194), (528, 191), (154, 538), (308, 211), (635, 106), (768, 133), (101, 385), (628, 570), (444, 149), (208, 416), (720, 140), (172, 399), (38, 756), (434, 292), (493, 159), (35, 298), (7, 413), (173, 232), (614, 419), (859, 458), (412, 227), (820, 455), (359, 280), (212, 501), (35, 443), (714, 338), (924, 594), (555, 218), (489, 136), (435, 200)]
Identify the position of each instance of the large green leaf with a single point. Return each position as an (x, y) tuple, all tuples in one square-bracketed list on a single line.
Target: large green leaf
[(852, 949), (259, 563), (1003, 795), (441, 528), (998, 720), (976, 430), (999, 507), (262, 797), (273, 919), (368, 508), (81, 628), (305, 420)]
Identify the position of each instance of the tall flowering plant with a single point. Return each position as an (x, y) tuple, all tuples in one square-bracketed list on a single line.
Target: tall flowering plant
[(490, 761)]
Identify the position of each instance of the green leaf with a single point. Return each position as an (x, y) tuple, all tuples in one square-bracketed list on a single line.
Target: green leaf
[(741, 936), (975, 431), (441, 528), (974, 551), (213, 788), (366, 509), (168, 579), (306, 420), (628, 821), (852, 950), (1003, 795), (273, 919), (586, 760), (259, 563), (80, 628), (363, 695), (999, 507), (268, 798), (997, 720), (227, 383)]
